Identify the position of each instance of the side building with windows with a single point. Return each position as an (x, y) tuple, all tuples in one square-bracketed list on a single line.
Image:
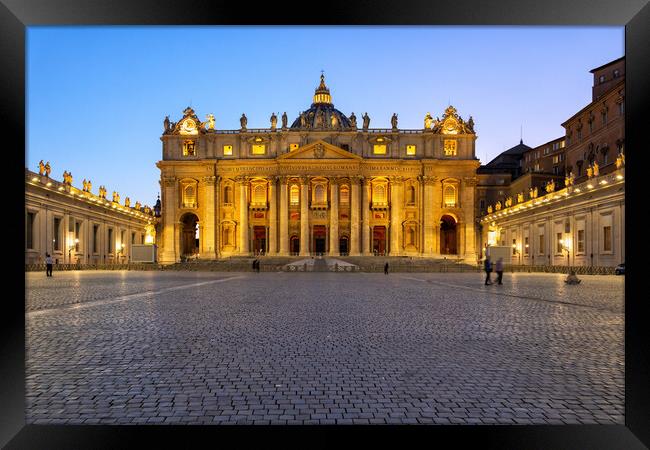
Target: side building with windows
[(319, 185), (76, 226), (574, 214)]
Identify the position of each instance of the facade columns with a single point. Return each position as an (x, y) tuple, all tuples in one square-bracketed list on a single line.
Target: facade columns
[(284, 216), (304, 216), (365, 213), (273, 213), (243, 216), (354, 216), (334, 218), (428, 216), (468, 198), (208, 231), (169, 254), (395, 216)]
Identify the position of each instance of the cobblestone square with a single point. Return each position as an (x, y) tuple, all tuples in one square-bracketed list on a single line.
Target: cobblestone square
[(133, 347)]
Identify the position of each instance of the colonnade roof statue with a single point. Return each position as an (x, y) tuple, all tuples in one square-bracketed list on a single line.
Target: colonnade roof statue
[(321, 116)]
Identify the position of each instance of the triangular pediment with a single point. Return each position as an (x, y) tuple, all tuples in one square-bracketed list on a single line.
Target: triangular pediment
[(320, 150)]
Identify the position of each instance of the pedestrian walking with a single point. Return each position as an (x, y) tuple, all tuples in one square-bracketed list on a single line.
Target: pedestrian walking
[(386, 268), (499, 270), (48, 265), (257, 266), (487, 266), (254, 265)]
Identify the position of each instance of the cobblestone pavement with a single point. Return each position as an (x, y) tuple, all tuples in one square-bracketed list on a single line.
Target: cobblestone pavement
[(323, 348)]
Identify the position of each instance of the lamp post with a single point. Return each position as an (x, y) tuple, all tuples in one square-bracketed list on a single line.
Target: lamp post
[(571, 278), (527, 250)]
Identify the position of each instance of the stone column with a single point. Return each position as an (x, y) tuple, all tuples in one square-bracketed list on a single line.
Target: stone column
[(284, 217), (395, 216), (468, 198), (334, 218), (304, 216), (243, 216), (208, 242), (365, 212), (354, 216), (169, 229), (273, 219), (428, 216)]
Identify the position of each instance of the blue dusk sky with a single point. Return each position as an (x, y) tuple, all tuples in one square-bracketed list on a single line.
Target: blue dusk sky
[(97, 96)]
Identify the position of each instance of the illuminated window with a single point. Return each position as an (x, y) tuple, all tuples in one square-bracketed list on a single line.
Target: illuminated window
[(345, 194), (259, 149), (450, 195), (410, 150), (451, 147), (379, 149), (295, 195), (227, 150), (189, 148), (259, 194), (293, 147), (189, 197), (379, 194)]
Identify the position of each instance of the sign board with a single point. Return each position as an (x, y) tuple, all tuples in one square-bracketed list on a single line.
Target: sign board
[(143, 253)]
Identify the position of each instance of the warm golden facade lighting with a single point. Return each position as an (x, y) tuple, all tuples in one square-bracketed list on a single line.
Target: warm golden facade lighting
[(410, 150), (259, 149), (451, 147), (227, 150), (379, 149)]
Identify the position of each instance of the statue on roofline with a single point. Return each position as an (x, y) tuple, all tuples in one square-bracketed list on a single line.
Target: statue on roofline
[(243, 121), (366, 121), (284, 120), (353, 120), (393, 121), (41, 168), (428, 121), (274, 121), (48, 169)]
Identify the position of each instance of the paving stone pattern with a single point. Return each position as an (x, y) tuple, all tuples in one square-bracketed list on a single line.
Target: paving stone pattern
[(323, 348)]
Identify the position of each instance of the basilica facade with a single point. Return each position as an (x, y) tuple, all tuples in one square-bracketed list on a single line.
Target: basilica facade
[(320, 185)]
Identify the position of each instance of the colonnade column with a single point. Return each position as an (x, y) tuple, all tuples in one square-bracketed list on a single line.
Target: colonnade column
[(284, 213), (169, 230), (273, 213), (354, 216), (395, 216), (304, 216), (428, 215), (365, 214), (334, 218), (207, 236), (468, 198), (243, 216)]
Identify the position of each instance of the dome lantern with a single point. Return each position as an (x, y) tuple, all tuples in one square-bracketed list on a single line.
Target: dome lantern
[(322, 93)]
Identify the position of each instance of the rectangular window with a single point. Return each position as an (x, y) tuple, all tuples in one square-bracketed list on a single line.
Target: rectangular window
[(558, 243), (77, 235), (542, 244), (122, 239), (581, 241), (601, 79), (57, 234), (258, 149), (526, 245), (607, 239), (110, 241), (227, 150), (189, 148), (556, 159), (133, 238), (293, 147), (95, 238), (29, 231), (451, 147), (410, 150), (379, 149), (616, 73), (514, 247)]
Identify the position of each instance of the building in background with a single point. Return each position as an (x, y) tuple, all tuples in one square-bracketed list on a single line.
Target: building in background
[(567, 206), (76, 226), (319, 185)]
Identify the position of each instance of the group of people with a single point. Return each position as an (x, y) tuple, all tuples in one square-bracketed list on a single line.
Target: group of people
[(488, 270), (256, 265)]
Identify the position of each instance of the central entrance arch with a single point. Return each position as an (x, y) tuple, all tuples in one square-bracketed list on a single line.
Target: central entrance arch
[(320, 237), (343, 245), (294, 245), (189, 234), (379, 240), (448, 235), (259, 240)]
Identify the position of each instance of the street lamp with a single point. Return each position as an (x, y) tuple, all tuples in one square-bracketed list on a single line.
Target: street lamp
[(528, 251), (571, 278)]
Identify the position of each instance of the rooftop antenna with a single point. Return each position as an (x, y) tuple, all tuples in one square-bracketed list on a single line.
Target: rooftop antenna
[(521, 134)]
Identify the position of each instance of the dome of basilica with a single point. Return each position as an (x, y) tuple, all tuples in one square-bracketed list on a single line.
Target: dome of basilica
[(322, 114)]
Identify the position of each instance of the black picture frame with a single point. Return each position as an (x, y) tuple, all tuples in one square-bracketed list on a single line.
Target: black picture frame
[(16, 15)]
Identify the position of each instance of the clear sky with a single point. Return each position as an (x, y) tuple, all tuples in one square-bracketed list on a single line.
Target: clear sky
[(97, 96)]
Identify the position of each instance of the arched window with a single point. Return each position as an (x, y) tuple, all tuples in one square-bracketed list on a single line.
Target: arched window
[(345, 194), (295, 194), (319, 194), (450, 195), (379, 193), (410, 196), (259, 194), (410, 235), (189, 197), (227, 194)]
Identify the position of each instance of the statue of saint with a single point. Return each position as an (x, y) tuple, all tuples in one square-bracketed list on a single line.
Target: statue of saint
[(41, 168), (489, 209), (284, 120), (393, 121), (509, 202), (470, 124), (520, 197), (619, 162), (535, 192), (531, 193), (320, 119), (137, 206), (243, 121), (303, 120), (127, 202), (428, 120), (551, 186), (567, 181), (48, 169), (590, 172), (90, 186), (116, 197), (366, 121), (498, 205), (210, 121), (353, 120), (595, 169), (166, 123), (334, 121), (274, 121)]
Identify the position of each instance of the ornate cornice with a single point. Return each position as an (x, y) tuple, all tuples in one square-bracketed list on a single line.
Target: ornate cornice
[(429, 180), (470, 181), (210, 180), (169, 181)]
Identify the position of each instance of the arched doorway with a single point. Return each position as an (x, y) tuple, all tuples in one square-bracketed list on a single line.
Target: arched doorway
[(259, 240), (343, 245), (294, 245), (320, 238), (448, 241), (379, 240), (190, 235)]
